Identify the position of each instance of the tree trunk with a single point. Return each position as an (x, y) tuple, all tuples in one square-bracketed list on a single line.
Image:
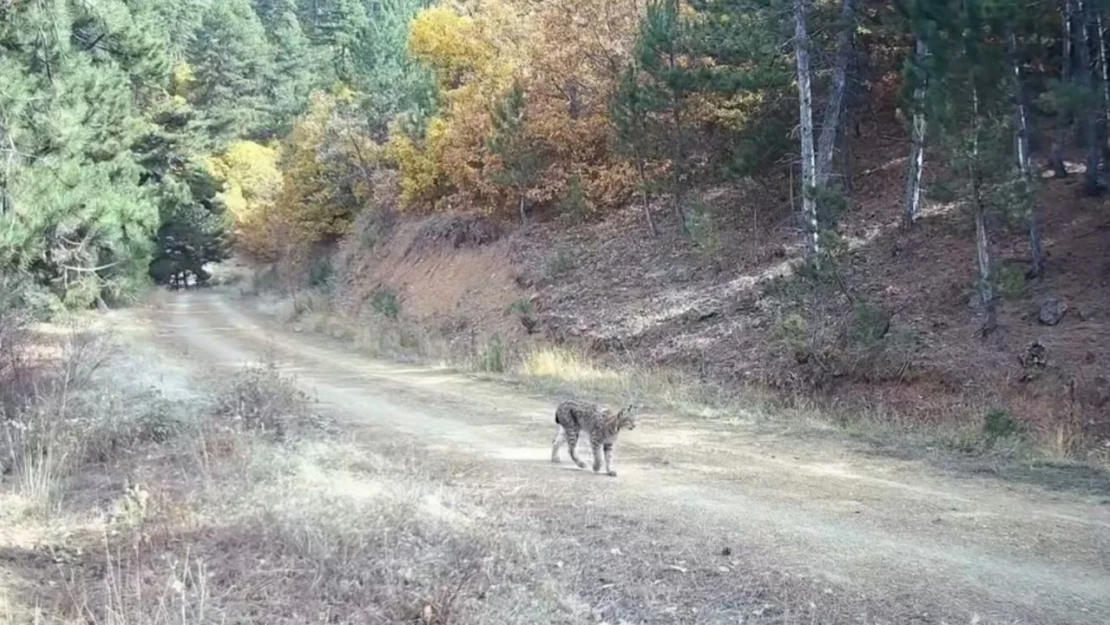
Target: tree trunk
[(1104, 78), (831, 125), (982, 251), (676, 167), (1063, 116), (678, 152), (1082, 29), (917, 141), (523, 216), (644, 196), (805, 112), (1021, 107)]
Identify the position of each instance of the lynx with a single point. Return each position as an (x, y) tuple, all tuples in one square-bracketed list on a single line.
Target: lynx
[(599, 422)]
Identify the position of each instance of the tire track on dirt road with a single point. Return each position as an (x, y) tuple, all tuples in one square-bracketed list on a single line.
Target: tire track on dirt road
[(894, 530)]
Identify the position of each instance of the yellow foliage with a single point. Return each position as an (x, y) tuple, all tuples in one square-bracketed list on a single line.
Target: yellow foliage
[(182, 80), (327, 168), (567, 54), (252, 182), (449, 43), (422, 174)]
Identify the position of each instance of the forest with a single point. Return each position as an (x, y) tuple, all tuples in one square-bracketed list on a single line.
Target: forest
[(142, 139)]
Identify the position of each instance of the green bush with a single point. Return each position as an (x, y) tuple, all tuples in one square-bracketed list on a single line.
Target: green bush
[(385, 303), (703, 230), (1010, 281), (998, 423), (492, 358), (792, 332), (870, 325), (559, 265), (521, 308), (321, 274), (574, 204)]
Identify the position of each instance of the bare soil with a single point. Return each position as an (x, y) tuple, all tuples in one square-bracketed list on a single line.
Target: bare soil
[(709, 521)]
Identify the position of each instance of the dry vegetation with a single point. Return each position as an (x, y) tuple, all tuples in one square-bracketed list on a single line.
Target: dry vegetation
[(129, 497), (122, 507)]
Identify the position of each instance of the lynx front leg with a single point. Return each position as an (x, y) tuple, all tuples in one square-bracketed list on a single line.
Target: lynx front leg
[(596, 447), (560, 440), (608, 460), (572, 444)]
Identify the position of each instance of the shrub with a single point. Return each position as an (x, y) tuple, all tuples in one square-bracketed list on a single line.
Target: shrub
[(492, 358), (261, 399), (792, 332), (522, 307), (998, 423), (574, 204), (384, 301), (368, 239), (870, 325), (559, 265), (113, 432), (321, 274), (703, 230), (1010, 281), (264, 281)]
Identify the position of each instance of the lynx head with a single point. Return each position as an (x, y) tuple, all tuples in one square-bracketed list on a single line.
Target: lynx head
[(625, 420)]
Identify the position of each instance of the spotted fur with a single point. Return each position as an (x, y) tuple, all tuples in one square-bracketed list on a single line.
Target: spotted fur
[(600, 424)]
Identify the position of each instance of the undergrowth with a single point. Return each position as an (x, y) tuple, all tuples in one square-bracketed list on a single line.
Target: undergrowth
[(242, 506)]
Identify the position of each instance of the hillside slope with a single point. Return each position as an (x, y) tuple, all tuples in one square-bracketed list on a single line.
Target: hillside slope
[(893, 333)]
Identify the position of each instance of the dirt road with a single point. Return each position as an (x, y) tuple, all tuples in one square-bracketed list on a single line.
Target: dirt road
[(893, 537)]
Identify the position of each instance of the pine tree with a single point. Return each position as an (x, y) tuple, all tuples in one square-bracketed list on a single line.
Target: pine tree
[(299, 68), (76, 214), (392, 83), (636, 134), (232, 63), (1090, 111), (1022, 133), (521, 159), (343, 25), (832, 120), (659, 52)]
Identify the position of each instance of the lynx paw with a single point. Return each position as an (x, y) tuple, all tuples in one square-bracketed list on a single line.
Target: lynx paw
[(612, 474), (581, 465)]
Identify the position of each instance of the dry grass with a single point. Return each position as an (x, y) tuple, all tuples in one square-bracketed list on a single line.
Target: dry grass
[(1051, 459), (568, 366), (46, 405), (376, 335), (562, 370), (221, 519), (250, 510), (956, 443)]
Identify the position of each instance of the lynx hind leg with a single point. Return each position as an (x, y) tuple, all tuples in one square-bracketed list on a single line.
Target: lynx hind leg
[(609, 460), (596, 448), (560, 440), (572, 445)]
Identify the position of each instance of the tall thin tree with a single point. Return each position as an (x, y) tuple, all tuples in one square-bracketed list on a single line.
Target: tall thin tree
[(1064, 114), (912, 205), (805, 113), (971, 34), (1021, 114), (1081, 30), (831, 125)]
